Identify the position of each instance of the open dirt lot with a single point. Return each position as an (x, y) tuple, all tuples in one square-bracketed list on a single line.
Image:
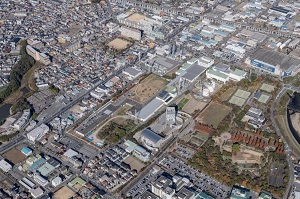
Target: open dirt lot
[(226, 95), (192, 105), (14, 155), (213, 114), (147, 88), (134, 163), (63, 193), (118, 44)]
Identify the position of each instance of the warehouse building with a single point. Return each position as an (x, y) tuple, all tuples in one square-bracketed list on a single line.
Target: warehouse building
[(273, 62), (223, 73)]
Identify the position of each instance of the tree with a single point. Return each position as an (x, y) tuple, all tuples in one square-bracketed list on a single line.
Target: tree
[(236, 147)]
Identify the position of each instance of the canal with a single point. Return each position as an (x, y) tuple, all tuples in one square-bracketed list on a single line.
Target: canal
[(4, 111)]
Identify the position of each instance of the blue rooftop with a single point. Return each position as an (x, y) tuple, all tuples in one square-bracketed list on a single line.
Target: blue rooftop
[(36, 164), (26, 150)]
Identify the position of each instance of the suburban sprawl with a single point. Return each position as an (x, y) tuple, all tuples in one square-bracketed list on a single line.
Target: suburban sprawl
[(150, 99)]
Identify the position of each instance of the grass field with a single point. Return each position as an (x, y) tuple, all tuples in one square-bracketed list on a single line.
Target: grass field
[(182, 103), (147, 88), (213, 114), (15, 156)]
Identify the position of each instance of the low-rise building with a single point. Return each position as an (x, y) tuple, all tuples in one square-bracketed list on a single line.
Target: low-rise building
[(56, 181), (37, 133), (5, 166), (240, 193)]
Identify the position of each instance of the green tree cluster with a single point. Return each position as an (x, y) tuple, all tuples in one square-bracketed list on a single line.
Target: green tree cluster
[(17, 72)]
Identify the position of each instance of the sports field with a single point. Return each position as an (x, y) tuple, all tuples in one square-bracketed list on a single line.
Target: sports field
[(213, 114), (267, 87), (118, 44), (264, 98), (64, 193), (15, 156), (239, 97), (147, 88)]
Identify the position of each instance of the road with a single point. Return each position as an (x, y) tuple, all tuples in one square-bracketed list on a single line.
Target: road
[(286, 147)]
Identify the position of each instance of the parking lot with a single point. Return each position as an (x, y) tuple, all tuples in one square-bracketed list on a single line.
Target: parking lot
[(202, 182)]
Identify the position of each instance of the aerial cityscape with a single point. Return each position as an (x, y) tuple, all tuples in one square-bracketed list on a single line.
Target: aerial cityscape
[(150, 99)]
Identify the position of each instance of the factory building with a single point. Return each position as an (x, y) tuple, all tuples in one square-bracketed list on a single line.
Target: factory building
[(273, 62)]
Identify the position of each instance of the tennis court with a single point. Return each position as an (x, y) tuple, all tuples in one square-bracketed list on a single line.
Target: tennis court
[(237, 101), (267, 87), (242, 94), (264, 98)]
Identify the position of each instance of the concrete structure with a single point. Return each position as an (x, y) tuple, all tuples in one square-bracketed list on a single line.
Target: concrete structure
[(240, 193), (37, 133), (41, 57), (160, 65), (37, 192), (131, 33), (5, 166), (56, 181)]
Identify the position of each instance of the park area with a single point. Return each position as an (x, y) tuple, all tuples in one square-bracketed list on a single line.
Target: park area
[(15, 156), (213, 114), (119, 44), (116, 129), (147, 88)]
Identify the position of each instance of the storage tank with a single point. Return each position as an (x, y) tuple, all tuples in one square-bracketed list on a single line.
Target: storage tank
[(205, 92)]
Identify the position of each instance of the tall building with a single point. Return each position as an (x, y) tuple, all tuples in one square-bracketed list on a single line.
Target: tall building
[(171, 114), (162, 188)]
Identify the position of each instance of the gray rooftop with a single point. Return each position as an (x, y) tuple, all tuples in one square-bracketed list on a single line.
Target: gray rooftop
[(163, 61), (149, 109), (276, 58), (193, 72), (150, 135), (132, 71)]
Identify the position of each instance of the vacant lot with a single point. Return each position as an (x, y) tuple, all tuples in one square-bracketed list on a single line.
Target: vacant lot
[(147, 88), (226, 95), (192, 105), (63, 193), (14, 155), (214, 114), (134, 163), (118, 44)]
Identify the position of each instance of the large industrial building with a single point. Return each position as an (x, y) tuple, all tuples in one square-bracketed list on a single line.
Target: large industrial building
[(275, 63)]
